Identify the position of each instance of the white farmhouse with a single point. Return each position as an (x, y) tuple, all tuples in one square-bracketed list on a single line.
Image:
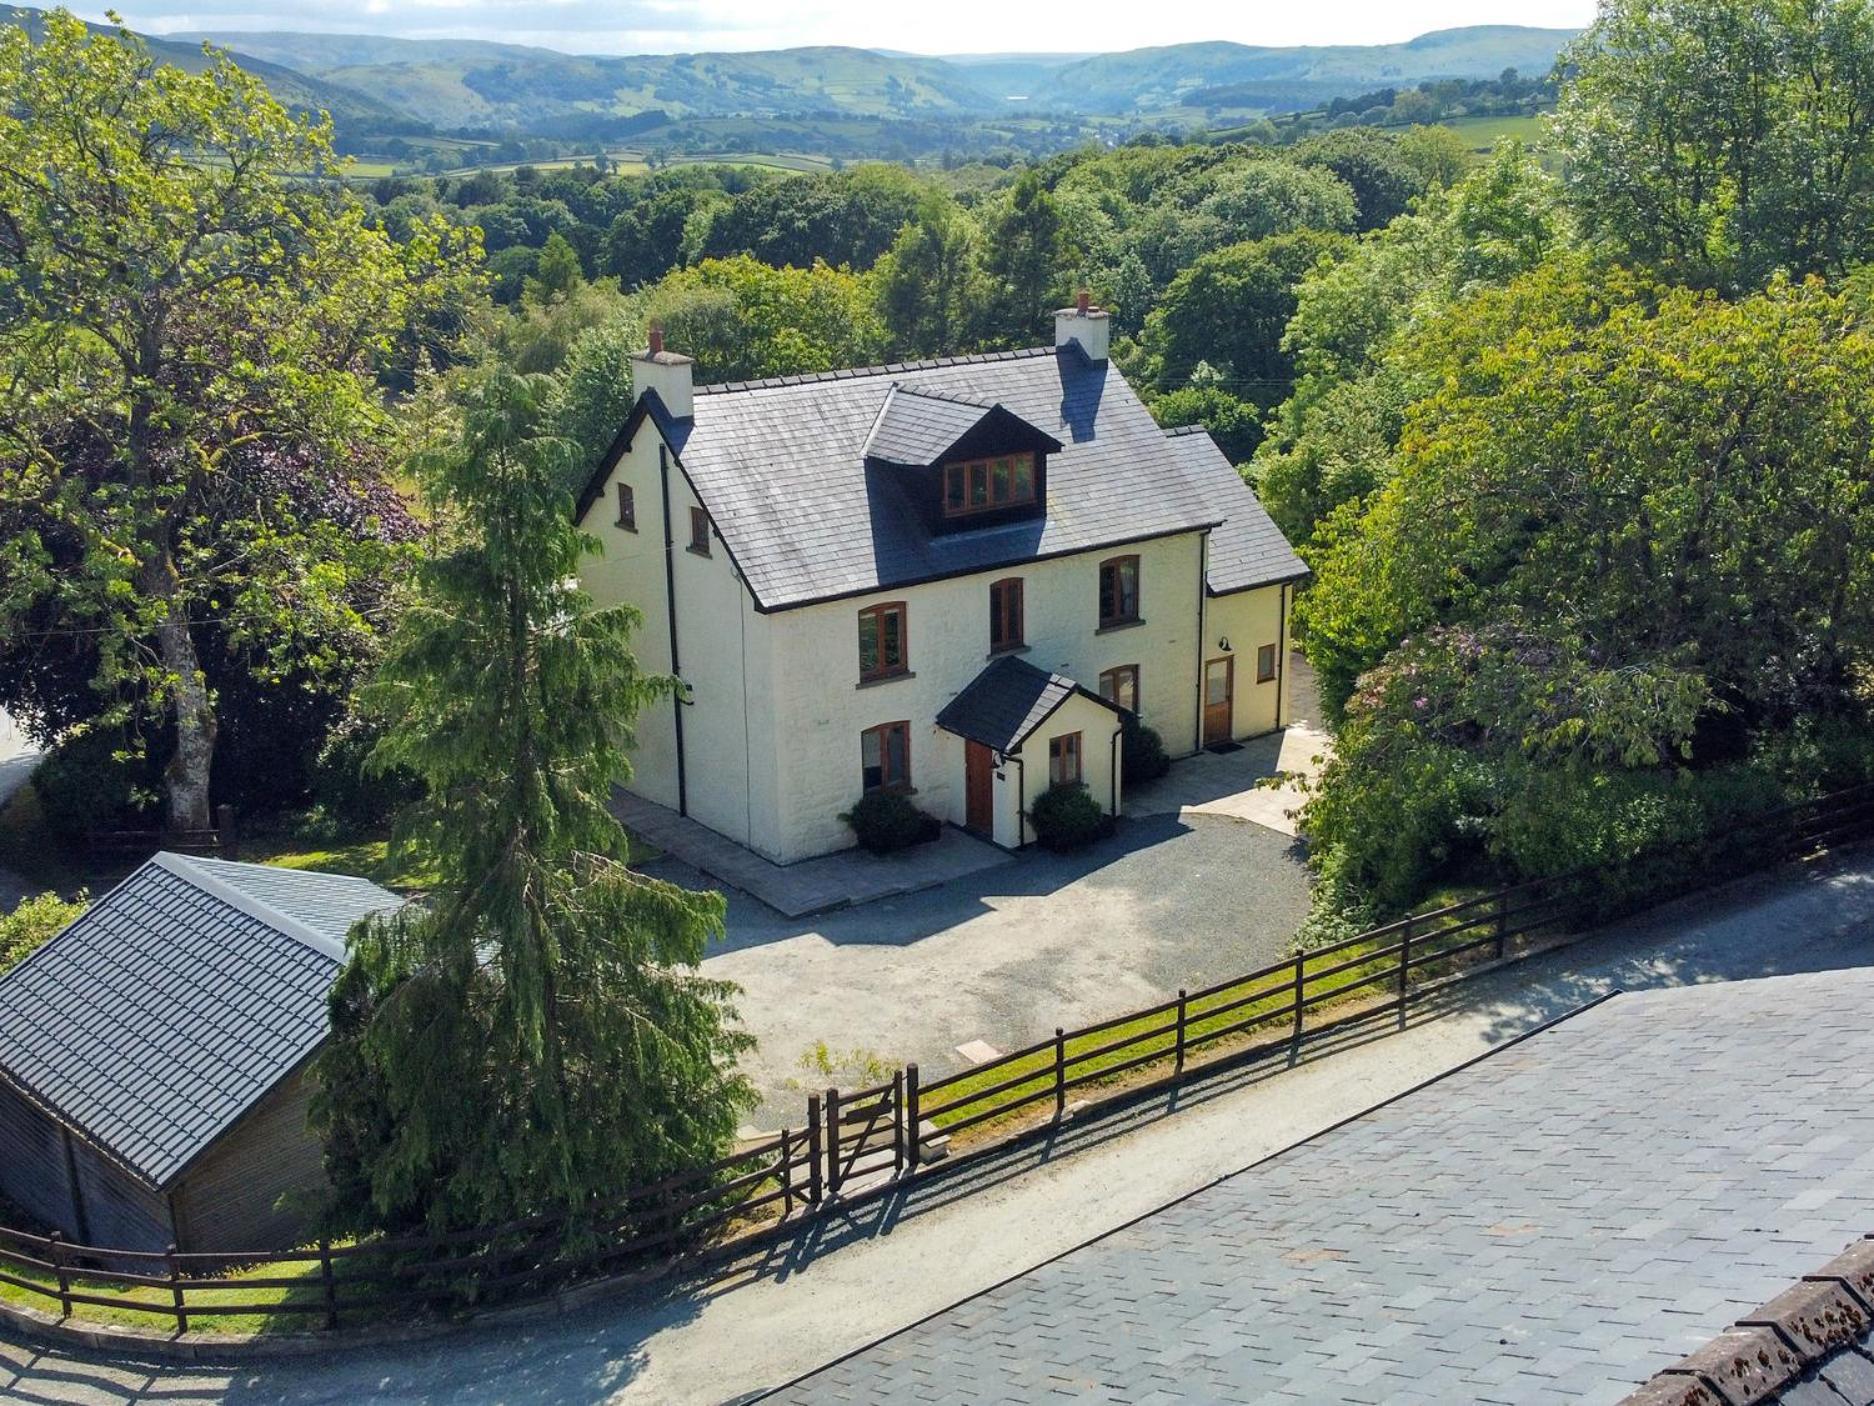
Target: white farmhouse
[(947, 576)]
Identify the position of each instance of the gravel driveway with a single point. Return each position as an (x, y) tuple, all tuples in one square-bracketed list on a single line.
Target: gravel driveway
[(1006, 955)]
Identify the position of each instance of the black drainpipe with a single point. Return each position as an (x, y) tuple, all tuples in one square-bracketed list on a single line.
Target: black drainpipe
[(1203, 644), (1281, 653), (1112, 804), (670, 600), (1021, 811), (81, 1223)]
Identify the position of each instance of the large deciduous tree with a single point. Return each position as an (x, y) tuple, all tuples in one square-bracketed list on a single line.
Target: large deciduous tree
[(182, 286), (533, 1038)]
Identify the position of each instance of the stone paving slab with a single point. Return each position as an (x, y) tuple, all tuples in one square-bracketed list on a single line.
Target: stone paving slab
[(811, 886), (1229, 785)]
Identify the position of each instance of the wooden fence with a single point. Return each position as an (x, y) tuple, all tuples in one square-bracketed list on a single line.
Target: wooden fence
[(223, 840), (857, 1143)]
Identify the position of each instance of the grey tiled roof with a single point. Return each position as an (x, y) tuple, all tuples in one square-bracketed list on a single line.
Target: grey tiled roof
[(1248, 550), (176, 1001), (914, 427), (780, 465), (1008, 700), (1553, 1224)]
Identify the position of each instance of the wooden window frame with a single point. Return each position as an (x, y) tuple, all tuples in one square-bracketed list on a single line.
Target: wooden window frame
[(1109, 689), (1266, 662), (1075, 746), (627, 508), (883, 732), (1000, 637), (699, 531), (959, 475), (1117, 566), (884, 670)]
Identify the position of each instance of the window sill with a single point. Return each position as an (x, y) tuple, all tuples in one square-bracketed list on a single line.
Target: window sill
[(626, 526), (1117, 626), (890, 790), (885, 679), (1007, 649), (697, 551)]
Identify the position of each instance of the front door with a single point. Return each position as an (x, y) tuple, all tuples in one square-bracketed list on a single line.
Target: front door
[(1219, 695), (978, 788)]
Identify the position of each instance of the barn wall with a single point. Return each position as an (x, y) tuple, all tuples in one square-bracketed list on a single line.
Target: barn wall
[(32, 1164), (227, 1200), (120, 1212)]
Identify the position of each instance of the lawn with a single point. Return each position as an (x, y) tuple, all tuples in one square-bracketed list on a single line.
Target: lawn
[(256, 1301), (1483, 132)]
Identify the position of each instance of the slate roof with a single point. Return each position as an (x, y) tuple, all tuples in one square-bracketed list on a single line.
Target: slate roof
[(1552, 1224), (1248, 550), (780, 465), (915, 427), (176, 1001), (1007, 701)]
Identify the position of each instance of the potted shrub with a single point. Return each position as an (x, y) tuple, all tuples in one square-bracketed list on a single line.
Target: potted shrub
[(887, 822), (1066, 817)]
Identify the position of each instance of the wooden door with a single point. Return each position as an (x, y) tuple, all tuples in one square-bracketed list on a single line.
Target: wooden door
[(979, 788), (1219, 699)]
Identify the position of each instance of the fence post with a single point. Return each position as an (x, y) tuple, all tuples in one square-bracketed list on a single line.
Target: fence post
[(57, 1248), (1503, 923), (787, 1174), (831, 1102), (331, 1289), (175, 1289), (897, 1112), (911, 1119), (813, 1149), (1060, 1073), (1405, 961), (1301, 981), (1177, 1068)]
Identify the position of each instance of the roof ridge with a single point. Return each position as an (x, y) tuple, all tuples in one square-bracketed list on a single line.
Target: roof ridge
[(852, 373), (925, 394), (1176, 431), (259, 909)]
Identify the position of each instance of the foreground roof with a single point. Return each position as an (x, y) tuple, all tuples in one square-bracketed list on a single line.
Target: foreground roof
[(1007, 701), (178, 1000), (781, 467), (1248, 550), (1554, 1223)]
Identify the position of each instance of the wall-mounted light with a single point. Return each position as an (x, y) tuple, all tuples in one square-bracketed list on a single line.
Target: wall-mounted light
[(1224, 644)]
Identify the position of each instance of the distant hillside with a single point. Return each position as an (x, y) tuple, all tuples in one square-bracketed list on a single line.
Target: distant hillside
[(1144, 80), (297, 89), (468, 85)]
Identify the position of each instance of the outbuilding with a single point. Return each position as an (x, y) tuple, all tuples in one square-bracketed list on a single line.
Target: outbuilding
[(153, 1056)]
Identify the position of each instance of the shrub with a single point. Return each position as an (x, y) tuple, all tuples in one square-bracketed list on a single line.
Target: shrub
[(1066, 817), (30, 925), (1142, 752), (886, 822), (84, 785), (352, 794)]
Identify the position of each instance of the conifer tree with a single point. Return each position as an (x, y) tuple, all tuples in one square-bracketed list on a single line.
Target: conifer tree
[(534, 1037)]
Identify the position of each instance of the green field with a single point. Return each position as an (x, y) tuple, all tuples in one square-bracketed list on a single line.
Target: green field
[(1483, 132)]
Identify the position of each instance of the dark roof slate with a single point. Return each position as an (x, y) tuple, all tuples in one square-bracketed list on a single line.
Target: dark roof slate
[(1248, 550), (780, 465), (178, 1000), (1007, 701), (916, 428)]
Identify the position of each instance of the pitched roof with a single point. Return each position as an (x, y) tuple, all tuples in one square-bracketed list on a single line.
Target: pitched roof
[(176, 1001), (1007, 701), (914, 427), (1248, 550), (781, 466)]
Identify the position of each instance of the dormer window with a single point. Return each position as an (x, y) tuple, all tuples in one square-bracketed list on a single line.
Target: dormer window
[(988, 485)]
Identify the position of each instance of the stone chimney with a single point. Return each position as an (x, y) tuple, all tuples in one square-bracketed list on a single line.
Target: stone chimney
[(670, 374), (1085, 324)]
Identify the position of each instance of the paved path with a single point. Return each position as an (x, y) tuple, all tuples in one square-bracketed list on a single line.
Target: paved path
[(1006, 955), (901, 1260), (1236, 785), (813, 885)]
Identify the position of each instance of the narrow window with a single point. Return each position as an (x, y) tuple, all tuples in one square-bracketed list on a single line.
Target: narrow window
[(699, 532), (956, 478), (979, 485), (1121, 686), (1119, 591), (627, 508), (885, 757), (882, 650), (1064, 759), (1005, 614), (1265, 664)]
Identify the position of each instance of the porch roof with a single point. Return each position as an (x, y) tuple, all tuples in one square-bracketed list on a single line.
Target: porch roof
[(1007, 701)]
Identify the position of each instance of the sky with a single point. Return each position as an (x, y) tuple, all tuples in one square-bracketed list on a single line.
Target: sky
[(950, 27)]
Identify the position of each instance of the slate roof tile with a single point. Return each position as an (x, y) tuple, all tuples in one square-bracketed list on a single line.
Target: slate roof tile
[(1248, 550), (1008, 700), (176, 1001)]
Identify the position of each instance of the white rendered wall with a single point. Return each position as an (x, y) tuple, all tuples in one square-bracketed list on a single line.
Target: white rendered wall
[(1249, 620)]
